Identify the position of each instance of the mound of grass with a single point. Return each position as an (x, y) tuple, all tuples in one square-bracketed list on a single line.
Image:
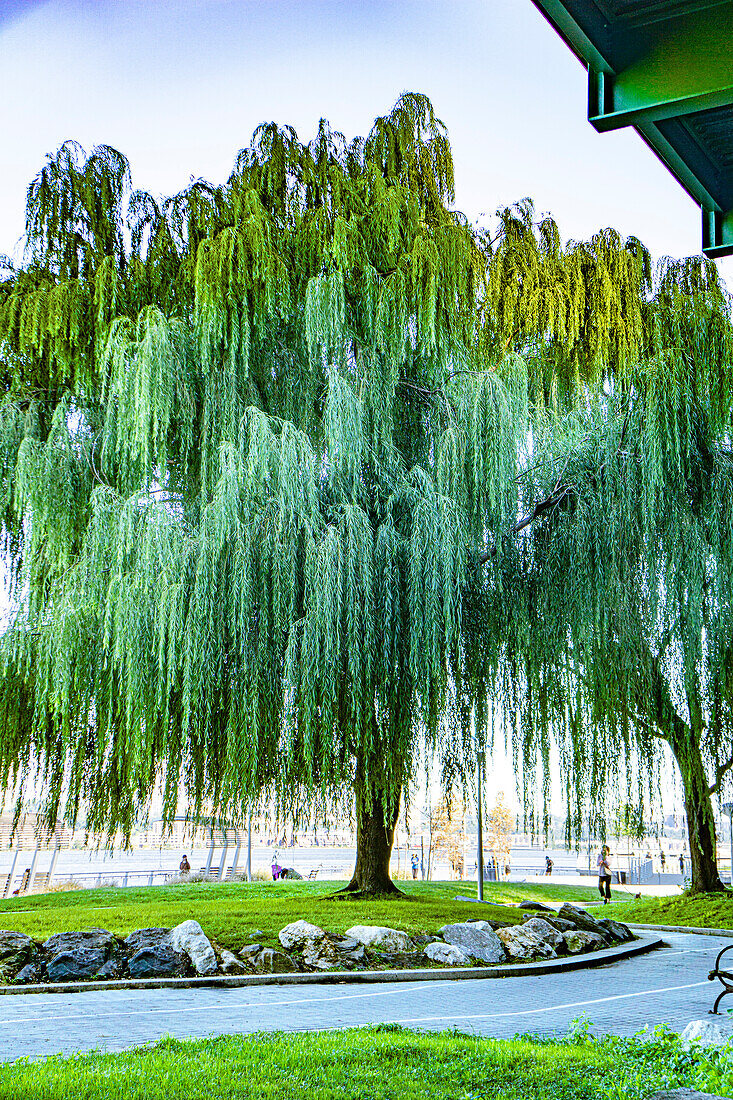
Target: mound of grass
[(231, 912), (376, 1063), (687, 910)]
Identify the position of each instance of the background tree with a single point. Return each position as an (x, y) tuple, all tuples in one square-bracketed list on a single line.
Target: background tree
[(500, 823), (629, 558)]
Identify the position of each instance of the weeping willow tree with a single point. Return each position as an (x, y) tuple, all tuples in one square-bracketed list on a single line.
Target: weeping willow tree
[(259, 446), (627, 635)]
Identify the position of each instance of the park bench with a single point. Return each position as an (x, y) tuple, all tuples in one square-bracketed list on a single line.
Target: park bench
[(724, 976)]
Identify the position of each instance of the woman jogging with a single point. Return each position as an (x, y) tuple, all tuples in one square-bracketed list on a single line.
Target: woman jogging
[(604, 873)]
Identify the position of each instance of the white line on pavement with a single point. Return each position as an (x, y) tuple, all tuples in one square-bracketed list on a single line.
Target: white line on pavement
[(327, 1000), (550, 1008)]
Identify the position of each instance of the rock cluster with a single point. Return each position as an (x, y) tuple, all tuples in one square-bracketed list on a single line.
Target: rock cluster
[(186, 950)]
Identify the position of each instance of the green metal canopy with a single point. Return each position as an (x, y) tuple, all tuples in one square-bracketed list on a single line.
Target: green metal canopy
[(664, 67)]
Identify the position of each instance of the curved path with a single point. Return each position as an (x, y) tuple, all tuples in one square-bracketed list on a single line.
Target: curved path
[(669, 985)]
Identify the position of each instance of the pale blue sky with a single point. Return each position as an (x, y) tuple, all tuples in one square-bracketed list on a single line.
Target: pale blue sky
[(179, 86)]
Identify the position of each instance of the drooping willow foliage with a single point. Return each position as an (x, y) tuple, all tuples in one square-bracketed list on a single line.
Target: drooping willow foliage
[(260, 446), (635, 645)]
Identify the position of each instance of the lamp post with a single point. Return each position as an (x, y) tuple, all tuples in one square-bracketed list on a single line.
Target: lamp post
[(479, 822)]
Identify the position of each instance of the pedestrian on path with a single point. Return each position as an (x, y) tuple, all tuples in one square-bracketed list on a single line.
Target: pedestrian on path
[(604, 873), (184, 866), (415, 864), (548, 865)]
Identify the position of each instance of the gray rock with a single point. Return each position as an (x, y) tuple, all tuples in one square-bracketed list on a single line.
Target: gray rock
[(87, 939), (147, 937), (556, 922), (114, 968), (32, 973), (384, 939), (580, 941), (616, 930), (298, 934), (75, 966), (248, 953), (16, 949), (274, 962), (230, 964), (159, 961), (332, 952), (256, 934), (535, 905), (583, 919), (684, 1094), (703, 1032), (190, 939), (534, 940), (446, 953), (479, 943)]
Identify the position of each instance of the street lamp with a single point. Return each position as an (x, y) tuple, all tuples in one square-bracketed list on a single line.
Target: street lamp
[(479, 822)]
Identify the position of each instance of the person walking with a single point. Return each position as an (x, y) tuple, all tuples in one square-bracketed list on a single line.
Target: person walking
[(548, 865), (415, 862), (184, 866), (682, 865), (604, 873), (662, 859)]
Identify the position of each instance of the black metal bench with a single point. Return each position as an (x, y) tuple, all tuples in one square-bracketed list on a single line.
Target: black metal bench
[(724, 976)]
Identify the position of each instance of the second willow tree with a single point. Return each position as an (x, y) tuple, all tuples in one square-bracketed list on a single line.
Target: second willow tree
[(257, 443)]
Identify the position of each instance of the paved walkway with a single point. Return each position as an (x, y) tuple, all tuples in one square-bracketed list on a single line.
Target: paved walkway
[(669, 985)]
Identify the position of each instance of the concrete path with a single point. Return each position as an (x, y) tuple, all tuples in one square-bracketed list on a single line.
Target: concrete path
[(667, 986)]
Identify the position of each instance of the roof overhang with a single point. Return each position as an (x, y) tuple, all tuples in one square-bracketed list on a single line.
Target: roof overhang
[(665, 68)]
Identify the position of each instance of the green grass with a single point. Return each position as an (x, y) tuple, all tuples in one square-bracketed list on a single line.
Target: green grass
[(230, 912), (688, 910), (379, 1063)]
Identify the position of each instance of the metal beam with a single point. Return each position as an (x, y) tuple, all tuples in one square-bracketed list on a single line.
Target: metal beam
[(685, 65), (717, 233)]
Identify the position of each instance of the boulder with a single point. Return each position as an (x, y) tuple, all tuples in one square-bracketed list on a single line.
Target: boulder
[(579, 941), (703, 1032), (230, 964), (332, 952), (147, 937), (555, 922), (384, 939), (535, 905), (75, 966), (534, 940), (480, 943), (273, 962), (298, 934), (684, 1094), (248, 953), (190, 939), (113, 968), (582, 919), (87, 939), (396, 960), (32, 973), (544, 932), (16, 949), (617, 931), (446, 953), (157, 961)]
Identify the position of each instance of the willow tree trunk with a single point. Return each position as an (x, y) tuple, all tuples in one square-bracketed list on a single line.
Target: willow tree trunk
[(376, 818), (699, 809)]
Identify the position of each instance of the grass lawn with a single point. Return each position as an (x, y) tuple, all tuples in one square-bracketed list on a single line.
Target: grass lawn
[(230, 912), (693, 911), (378, 1063)]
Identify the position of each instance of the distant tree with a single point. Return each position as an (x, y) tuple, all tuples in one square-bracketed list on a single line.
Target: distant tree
[(447, 824), (628, 564), (499, 830)]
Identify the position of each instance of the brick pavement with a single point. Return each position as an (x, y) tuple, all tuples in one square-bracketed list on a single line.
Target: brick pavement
[(669, 985)]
